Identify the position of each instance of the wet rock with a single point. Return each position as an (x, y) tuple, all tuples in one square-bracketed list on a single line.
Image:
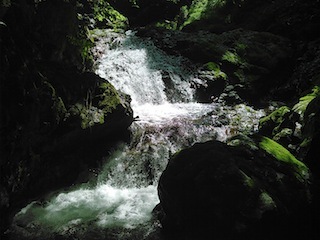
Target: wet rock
[(255, 63), (56, 121), (227, 191), (213, 82), (271, 124)]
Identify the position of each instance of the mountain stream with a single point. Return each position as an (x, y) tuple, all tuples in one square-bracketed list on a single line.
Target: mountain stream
[(118, 202)]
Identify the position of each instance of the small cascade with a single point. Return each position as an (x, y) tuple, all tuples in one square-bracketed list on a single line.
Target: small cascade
[(143, 71), (119, 205)]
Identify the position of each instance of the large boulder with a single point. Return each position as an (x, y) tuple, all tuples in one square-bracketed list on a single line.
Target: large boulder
[(247, 187)]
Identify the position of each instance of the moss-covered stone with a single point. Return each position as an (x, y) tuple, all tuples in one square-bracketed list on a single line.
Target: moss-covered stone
[(284, 133), (97, 108), (273, 122), (107, 96), (216, 190), (255, 63), (282, 154), (106, 16)]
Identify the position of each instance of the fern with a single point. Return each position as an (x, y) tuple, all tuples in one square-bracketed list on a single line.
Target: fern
[(304, 101)]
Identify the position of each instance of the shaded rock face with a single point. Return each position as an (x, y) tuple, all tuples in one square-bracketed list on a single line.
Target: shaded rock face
[(57, 129), (252, 63), (216, 190), (57, 118), (311, 135), (144, 12)]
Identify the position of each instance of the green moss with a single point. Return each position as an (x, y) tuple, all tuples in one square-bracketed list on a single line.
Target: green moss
[(198, 10), (108, 97), (84, 45), (195, 11), (277, 116), (280, 153), (95, 109), (286, 132), (88, 115), (267, 200), (243, 140), (248, 181)]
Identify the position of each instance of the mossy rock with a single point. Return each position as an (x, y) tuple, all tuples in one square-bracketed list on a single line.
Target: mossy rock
[(97, 109), (213, 81), (217, 190), (275, 121), (107, 97), (283, 155), (260, 62)]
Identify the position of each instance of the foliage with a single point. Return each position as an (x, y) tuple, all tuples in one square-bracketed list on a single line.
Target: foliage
[(194, 11), (198, 10), (106, 15), (89, 115), (277, 117), (215, 68), (232, 57), (304, 101)]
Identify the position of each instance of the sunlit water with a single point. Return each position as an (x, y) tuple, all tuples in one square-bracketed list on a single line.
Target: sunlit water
[(119, 205)]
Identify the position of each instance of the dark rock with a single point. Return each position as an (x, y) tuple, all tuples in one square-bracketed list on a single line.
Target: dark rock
[(310, 132), (59, 128), (144, 12), (213, 80), (282, 126), (254, 62), (57, 118), (216, 190), (293, 19)]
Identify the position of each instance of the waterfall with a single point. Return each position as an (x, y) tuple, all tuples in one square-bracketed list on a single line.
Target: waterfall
[(119, 204)]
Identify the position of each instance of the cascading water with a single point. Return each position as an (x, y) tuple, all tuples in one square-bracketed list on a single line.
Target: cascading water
[(119, 204)]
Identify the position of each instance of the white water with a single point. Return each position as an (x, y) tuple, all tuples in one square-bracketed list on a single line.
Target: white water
[(125, 192)]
